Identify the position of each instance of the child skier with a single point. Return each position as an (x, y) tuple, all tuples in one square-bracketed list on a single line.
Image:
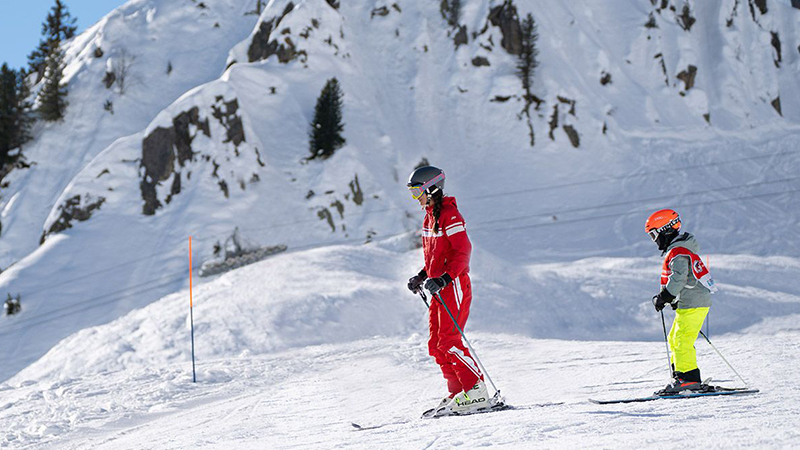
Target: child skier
[(447, 249), (686, 285)]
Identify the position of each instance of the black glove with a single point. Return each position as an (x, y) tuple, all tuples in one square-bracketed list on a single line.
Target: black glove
[(415, 282), (661, 300), (435, 285)]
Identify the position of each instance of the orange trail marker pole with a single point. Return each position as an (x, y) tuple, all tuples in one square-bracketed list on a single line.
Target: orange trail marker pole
[(191, 308), (708, 316)]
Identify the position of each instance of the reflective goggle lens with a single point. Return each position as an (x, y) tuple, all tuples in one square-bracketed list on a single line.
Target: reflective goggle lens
[(653, 234), (416, 191)]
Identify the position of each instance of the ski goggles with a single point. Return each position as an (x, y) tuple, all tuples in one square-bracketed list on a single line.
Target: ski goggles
[(417, 191), (653, 233)]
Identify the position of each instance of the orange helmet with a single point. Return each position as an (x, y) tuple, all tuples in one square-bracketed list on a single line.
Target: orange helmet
[(661, 221)]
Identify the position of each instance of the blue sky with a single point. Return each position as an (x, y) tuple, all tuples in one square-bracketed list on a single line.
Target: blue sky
[(21, 23)]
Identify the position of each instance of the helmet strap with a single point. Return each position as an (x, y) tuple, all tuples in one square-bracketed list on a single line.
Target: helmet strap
[(431, 192), (665, 238)]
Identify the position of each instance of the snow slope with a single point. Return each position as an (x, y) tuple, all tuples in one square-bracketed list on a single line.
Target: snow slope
[(309, 398), (409, 93), (280, 368)]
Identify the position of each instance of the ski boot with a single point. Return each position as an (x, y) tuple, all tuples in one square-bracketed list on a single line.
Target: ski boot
[(684, 381), (474, 400), (442, 403)]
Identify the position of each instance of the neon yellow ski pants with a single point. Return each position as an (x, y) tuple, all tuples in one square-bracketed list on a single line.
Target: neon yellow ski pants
[(682, 335)]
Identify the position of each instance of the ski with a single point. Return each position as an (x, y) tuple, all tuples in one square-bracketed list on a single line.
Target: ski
[(688, 394), (358, 427), (497, 407), (503, 407)]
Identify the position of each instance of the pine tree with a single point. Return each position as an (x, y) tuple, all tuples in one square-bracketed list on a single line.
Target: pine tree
[(53, 96), (325, 136), (15, 115), (25, 114), (8, 98), (36, 60), (527, 63), (57, 27)]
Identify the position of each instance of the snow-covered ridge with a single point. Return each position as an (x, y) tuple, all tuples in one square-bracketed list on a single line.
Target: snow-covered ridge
[(175, 46), (266, 307)]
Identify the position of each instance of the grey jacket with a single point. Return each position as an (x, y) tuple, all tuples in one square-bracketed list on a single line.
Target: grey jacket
[(689, 292)]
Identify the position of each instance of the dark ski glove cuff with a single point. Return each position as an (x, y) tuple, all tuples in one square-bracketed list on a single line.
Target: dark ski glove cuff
[(434, 285), (661, 300), (415, 282), (447, 279)]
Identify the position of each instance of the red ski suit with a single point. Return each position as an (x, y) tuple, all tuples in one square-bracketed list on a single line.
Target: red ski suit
[(447, 251)]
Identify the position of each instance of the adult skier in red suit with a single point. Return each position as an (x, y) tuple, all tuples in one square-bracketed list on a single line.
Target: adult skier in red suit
[(447, 249)]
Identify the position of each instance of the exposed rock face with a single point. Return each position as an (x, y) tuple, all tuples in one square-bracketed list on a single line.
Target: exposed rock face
[(553, 123), (777, 105), (660, 57), (688, 76), (225, 112), (479, 61), (776, 44), (262, 47), (325, 214), (166, 150), (685, 18), (651, 22), (158, 159), (574, 137), (461, 37), (382, 12), (355, 189), (183, 137), (72, 210), (568, 101), (109, 79), (161, 148), (505, 16)]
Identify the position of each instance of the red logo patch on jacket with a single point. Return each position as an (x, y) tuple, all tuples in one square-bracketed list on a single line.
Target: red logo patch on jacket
[(699, 269)]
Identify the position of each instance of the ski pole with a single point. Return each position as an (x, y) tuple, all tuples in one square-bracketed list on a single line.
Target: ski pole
[(666, 344), (472, 350), (191, 309), (723, 358), (424, 299)]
